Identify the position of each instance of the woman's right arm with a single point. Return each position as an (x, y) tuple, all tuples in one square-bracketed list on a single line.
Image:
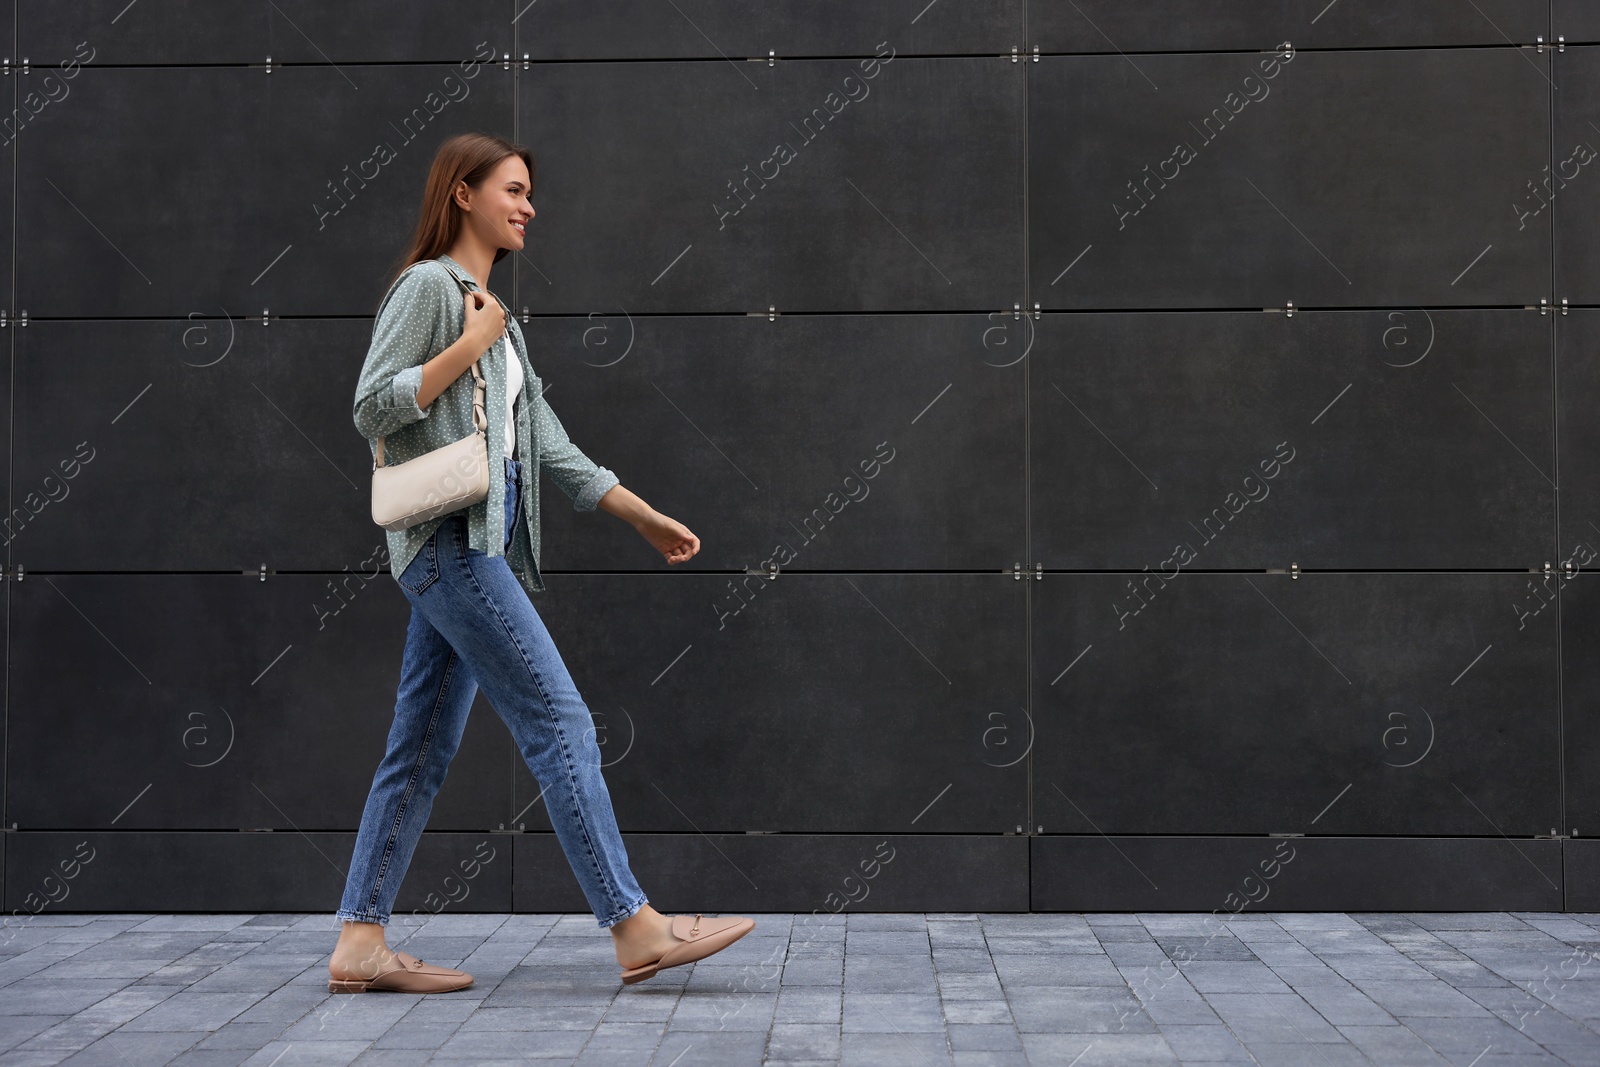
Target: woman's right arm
[(404, 371)]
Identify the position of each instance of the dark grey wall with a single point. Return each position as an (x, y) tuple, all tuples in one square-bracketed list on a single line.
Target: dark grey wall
[(1097, 569)]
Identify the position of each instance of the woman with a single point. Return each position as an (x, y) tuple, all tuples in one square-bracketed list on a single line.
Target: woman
[(468, 576)]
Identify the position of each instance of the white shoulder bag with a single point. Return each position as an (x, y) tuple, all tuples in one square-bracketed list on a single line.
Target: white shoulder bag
[(446, 479)]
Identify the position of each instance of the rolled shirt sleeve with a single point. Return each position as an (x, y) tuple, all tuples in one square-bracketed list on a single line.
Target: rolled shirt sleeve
[(581, 478), (404, 336), (405, 386)]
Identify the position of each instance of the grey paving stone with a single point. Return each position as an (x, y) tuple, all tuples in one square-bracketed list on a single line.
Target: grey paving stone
[(543, 1017), (614, 1057), (1137, 954), (207, 923), (1078, 1010), (1098, 1050), (1272, 1018), (128, 1003), (398, 1057), (360, 1017), (1305, 1054), (1259, 931), (809, 1005), (969, 985), (1494, 920), (888, 942), (1432, 997), (956, 935), (56, 998), (237, 1035), (1131, 933), (876, 1050), (889, 974), (807, 971), (730, 1048), (887, 921), (1392, 1044), (1055, 946), (1173, 1010), (132, 1050), (1024, 971), (405, 1035), (96, 931), (67, 1036), (215, 1057), (75, 967), (146, 944), (448, 1009), (286, 1005), (983, 1037), (193, 1011), (1341, 1003), (626, 1036), (538, 983), (814, 950), (1465, 973), (252, 975), (1204, 1042), (1359, 966), (711, 977), (725, 1013), (1226, 976), (803, 1041), (978, 1013), (896, 1012), (1284, 954), (1225, 946), (1473, 1035), (308, 1053), (973, 960), (38, 1058), (16, 1029), (988, 1058)]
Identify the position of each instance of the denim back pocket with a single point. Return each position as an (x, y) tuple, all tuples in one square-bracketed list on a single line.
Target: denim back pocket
[(423, 570)]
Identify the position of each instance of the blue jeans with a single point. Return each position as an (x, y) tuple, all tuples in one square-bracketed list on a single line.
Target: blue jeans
[(472, 623)]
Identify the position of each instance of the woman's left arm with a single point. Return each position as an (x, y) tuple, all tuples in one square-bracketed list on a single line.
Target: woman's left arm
[(591, 486)]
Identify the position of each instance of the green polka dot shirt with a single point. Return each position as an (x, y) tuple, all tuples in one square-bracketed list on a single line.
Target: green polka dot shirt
[(420, 317)]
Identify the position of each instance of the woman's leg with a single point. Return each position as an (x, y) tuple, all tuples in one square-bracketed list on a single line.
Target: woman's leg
[(481, 609), (435, 694)]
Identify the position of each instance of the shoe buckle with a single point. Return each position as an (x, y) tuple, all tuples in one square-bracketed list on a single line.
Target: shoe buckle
[(696, 927)]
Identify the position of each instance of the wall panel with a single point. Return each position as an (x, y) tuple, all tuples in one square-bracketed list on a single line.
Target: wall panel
[(1240, 180)]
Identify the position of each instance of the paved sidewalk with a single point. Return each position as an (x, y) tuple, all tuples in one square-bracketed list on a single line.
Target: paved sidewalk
[(1317, 989)]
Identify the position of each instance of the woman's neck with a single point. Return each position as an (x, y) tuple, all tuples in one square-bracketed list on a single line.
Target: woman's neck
[(476, 257)]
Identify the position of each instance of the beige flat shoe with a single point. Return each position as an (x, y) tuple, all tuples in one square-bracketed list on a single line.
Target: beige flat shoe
[(700, 937), (410, 975)]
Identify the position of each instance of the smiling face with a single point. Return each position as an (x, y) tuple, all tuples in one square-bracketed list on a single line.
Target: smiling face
[(501, 207)]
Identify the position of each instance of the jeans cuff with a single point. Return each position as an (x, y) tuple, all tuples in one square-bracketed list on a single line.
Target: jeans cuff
[(623, 913), (355, 917)]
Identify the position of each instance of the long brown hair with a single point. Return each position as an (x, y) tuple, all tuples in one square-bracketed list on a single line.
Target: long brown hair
[(468, 157)]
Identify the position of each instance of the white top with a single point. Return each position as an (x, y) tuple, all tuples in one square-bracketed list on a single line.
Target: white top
[(513, 390)]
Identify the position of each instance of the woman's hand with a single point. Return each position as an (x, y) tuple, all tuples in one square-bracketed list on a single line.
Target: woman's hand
[(669, 537), (485, 319)]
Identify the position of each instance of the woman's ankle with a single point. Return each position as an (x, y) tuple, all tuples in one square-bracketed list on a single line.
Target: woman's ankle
[(644, 919), (360, 937)]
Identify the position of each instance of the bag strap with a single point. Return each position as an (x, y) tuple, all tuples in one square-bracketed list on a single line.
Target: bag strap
[(479, 419)]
